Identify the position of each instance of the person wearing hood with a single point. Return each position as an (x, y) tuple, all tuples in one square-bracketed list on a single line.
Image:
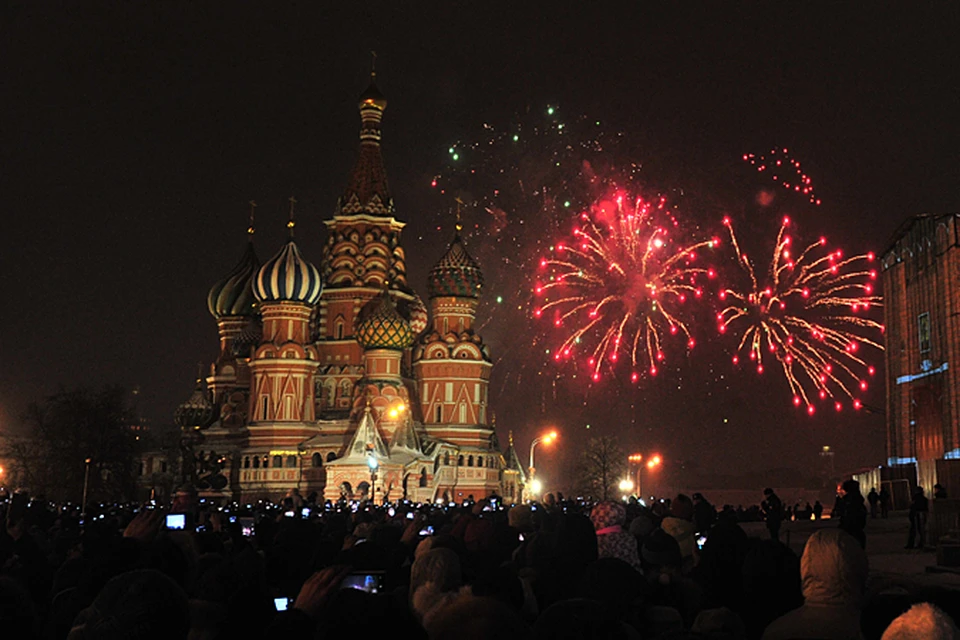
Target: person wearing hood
[(612, 540), (834, 575), (679, 524), (853, 519)]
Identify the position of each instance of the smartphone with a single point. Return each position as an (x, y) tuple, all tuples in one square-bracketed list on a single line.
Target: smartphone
[(289, 514), (246, 526), (369, 581), (701, 541), (176, 521), (427, 531), (305, 512), (282, 604), (233, 518), (391, 512), (410, 515)]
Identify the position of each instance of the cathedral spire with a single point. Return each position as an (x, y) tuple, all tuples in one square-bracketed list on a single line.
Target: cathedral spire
[(251, 228), (367, 191)]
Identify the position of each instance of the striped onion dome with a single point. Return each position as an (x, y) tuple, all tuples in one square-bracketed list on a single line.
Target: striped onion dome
[(455, 274), (197, 412), (382, 327), (418, 315), (233, 295), (288, 277)]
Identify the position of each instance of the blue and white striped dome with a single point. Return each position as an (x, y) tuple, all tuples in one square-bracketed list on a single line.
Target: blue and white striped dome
[(288, 277)]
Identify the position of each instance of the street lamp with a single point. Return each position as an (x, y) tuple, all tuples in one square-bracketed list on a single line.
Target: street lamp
[(626, 486), (397, 411), (86, 478), (652, 463), (535, 487), (374, 464), (546, 438)]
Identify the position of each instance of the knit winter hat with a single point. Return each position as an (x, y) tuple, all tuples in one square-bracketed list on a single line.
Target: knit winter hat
[(607, 514)]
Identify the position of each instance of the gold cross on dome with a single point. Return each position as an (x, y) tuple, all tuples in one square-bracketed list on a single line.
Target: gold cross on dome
[(291, 223), (459, 204)]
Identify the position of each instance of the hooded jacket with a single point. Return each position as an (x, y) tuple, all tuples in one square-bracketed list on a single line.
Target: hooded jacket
[(834, 574)]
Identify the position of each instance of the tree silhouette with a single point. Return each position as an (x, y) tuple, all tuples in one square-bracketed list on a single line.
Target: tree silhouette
[(62, 432), (602, 465)]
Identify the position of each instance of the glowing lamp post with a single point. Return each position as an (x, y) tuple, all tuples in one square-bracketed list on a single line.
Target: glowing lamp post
[(637, 459), (626, 486), (374, 464), (397, 411), (536, 487), (546, 438)]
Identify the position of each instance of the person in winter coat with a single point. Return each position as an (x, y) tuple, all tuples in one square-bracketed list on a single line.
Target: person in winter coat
[(679, 524), (853, 520), (612, 540), (834, 572)]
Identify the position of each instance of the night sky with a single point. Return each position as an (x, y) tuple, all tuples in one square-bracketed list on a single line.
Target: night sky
[(134, 135)]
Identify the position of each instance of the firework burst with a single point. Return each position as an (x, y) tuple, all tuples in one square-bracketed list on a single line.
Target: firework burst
[(785, 170), (619, 283), (803, 313)]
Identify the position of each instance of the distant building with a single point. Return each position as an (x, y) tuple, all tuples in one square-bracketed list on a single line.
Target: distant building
[(921, 285), (339, 380)]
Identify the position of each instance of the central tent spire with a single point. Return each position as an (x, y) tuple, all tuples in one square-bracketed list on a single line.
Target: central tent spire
[(367, 191)]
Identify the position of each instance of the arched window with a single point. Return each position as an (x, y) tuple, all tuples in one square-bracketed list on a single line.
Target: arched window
[(446, 460), (277, 462), (463, 413), (460, 460), (291, 462), (338, 330), (330, 391), (423, 477), (331, 456), (479, 461), (256, 462), (363, 488), (439, 413), (266, 462), (316, 460), (470, 461), (345, 387), (246, 462), (446, 326)]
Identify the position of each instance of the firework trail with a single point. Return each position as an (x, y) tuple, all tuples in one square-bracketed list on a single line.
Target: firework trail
[(803, 312), (785, 170), (617, 288)]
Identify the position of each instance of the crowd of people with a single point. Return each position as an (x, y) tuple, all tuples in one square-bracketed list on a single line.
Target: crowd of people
[(552, 569)]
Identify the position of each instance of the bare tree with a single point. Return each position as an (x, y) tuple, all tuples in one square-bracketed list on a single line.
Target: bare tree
[(66, 429), (602, 465)]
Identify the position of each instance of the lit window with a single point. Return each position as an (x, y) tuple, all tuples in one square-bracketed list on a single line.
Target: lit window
[(923, 324)]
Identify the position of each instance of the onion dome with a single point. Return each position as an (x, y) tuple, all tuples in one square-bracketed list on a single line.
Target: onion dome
[(381, 326), (287, 277), (233, 295), (456, 273), (197, 412), (418, 316)]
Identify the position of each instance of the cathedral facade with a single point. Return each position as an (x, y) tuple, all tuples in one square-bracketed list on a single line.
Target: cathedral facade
[(340, 379)]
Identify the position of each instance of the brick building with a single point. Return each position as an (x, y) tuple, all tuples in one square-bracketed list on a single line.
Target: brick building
[(921, 272)]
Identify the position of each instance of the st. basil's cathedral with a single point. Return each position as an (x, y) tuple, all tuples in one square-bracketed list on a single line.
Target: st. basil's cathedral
[(339, 380)]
